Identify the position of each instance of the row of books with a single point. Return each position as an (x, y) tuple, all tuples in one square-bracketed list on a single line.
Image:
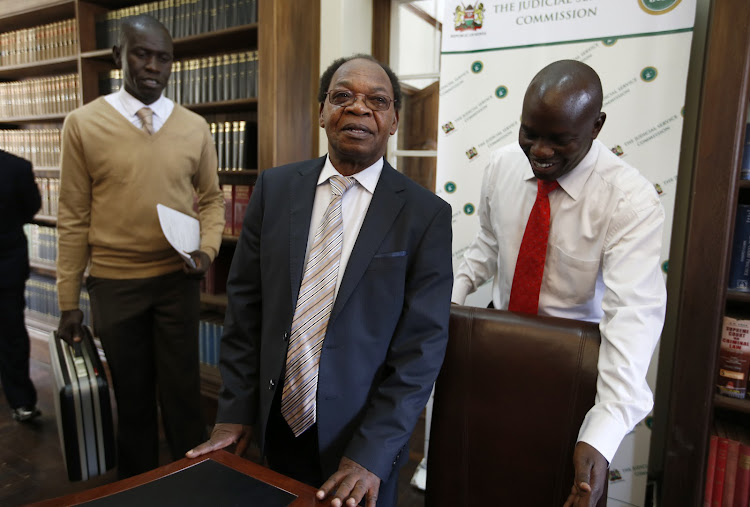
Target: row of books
[(236, 199), (41, 96), (41, 297), (727, 481), (232, 145), (42, 241), (209, 338), (182, 18), (209, 79), (40, 146), (49, 188), (39, 43), (214, 78)]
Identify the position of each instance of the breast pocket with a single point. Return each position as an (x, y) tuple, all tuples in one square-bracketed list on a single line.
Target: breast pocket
[(571, 279), (388, 261)]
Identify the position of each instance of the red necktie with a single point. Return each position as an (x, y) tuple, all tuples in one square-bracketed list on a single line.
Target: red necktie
[(527, 279)]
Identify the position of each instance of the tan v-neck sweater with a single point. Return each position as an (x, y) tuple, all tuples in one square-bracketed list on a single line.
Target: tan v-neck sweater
[(112, 177)]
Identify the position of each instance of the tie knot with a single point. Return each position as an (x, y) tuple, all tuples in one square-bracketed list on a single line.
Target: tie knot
[(545, 187), (146, 116), (144, 113), (340, 184)]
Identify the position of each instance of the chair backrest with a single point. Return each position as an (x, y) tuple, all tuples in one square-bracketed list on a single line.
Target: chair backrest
[(509, 401)]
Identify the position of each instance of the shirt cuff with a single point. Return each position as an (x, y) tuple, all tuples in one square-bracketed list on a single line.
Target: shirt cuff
[(461, 289), (602, 432)]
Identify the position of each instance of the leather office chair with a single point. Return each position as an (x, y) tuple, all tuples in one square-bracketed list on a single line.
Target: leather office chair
[(509, 401)]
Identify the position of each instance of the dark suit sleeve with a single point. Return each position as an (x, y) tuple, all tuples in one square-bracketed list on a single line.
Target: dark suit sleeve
[(240, 343), (30, 200), (414, 356)]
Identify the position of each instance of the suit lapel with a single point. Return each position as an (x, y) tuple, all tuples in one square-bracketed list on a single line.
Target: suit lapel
[(385, 206), (301, 197)]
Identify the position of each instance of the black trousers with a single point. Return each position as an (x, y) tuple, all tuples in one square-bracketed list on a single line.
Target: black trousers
[(299, 457), (149, 331), (14, 349)]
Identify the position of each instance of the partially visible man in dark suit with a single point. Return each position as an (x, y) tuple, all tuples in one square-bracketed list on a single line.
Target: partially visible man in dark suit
[(339, 411), (19, 202)]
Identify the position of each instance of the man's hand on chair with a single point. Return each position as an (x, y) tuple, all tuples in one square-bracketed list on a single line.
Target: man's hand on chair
[(591, 476)]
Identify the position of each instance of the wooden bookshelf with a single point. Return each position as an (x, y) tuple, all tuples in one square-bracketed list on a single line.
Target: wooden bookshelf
[(709, 189), (287, 38), (62, 65)]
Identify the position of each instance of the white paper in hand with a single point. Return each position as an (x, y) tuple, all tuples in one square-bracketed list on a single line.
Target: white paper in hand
[(182, 231)]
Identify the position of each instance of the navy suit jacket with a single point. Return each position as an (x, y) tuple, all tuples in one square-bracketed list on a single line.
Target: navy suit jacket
[(388, 329), (19, 202)]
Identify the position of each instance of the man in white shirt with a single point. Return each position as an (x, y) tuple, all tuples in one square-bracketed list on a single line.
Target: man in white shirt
[(602, 257)]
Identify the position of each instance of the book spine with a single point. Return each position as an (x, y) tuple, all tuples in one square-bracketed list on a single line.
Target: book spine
[(228, 191), (722, 448), (220, 145), (739, 270), (730, 473), (228, 146), (241, 199), (734, 357), (742, 492)]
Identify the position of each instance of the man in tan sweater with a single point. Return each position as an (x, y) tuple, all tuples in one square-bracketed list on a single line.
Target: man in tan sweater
[(123, 154)]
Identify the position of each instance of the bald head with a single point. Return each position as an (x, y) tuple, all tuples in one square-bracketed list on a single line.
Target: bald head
[(570, 82), (142, 23), (561, 117)]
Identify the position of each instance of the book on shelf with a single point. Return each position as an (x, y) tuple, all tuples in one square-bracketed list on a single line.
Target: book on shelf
[(49, 189), (214, 78), (39, 43), (730, 472), (183, 18), (727, 480), (710, 470), (742, 492), (41, 298), (40, 96), (739, 266), (228, 191), (734, 357), (720, 468), (231, 145), (242, 195), (210, 337), (39, 146)]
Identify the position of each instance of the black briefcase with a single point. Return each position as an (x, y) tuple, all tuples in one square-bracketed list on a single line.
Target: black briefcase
[(83, 407)]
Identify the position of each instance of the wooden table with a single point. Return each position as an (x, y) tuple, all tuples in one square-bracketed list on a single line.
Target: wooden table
[(215, 479)]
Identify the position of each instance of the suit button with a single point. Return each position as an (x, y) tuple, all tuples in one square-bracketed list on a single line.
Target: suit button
[(286, 335), (271, 385)]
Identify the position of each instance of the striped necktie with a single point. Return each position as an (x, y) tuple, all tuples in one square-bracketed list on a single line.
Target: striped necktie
[(147, 119), (314, 304), (527, 278)]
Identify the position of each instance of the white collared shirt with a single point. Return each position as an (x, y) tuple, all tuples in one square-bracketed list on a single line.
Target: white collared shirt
[(354, 206), (602, 265), (127, 105)]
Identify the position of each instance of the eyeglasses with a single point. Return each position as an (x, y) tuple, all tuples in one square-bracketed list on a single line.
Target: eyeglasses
[(345, 98)]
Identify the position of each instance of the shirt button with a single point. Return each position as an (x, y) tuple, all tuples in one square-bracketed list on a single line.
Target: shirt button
[(271, 385)]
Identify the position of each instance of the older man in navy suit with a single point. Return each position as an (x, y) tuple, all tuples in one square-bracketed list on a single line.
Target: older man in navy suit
[(19, 202), (337, 413)]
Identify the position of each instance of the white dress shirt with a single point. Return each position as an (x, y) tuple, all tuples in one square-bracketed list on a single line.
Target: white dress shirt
[(602, 265), (354, 206), (127, 105)]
